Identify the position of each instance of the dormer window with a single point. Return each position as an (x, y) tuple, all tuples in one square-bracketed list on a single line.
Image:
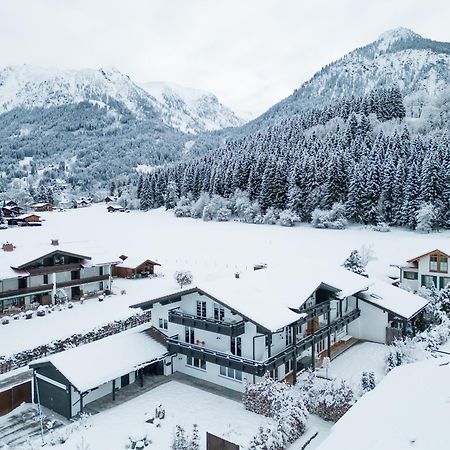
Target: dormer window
[(438, 263)]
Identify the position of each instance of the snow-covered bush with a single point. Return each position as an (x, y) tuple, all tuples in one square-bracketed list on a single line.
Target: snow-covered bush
[(223, 215), (182, 441), (367, 381), (268, 437), (287, 218), (425, 218), (355, 264), (183, 207), (281, 402), (333, 218), (382, 227), (331, 401), (199, 205), (183, 278), (270, 217), (5, 320)]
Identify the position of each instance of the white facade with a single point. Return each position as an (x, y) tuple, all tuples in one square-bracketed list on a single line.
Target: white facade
[(426, 270)]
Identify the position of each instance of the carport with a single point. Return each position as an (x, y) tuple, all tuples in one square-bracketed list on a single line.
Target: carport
[(65, 382)]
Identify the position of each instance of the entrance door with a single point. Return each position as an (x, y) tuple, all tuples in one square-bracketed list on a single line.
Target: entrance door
[(125, 380), (75, 291)]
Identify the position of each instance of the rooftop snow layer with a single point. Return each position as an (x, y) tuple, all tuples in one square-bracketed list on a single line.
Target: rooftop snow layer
[(394, 299), (409, 409), (91, 365), (266, 295)]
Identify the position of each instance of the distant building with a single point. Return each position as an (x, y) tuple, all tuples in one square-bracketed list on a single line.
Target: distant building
[(428, 269), (28, 275), (115, 208), (25, 220), (132, 267), (41, 207), (11, 211), (111, 199)]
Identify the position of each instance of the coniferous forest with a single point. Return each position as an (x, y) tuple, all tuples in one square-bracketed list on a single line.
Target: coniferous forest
[(357, 153)]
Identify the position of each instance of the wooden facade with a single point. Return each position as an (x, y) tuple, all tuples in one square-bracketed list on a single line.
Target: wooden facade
[(40, 207), (125, 271)]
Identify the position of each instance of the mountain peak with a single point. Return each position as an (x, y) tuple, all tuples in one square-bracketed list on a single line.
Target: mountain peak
[(397, 34)]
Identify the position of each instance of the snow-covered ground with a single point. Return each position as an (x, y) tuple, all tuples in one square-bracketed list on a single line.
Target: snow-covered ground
[(215, 246), (208, 249), (184, 405), (362, 357)]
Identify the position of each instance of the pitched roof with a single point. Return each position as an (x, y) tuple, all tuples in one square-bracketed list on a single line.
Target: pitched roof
[(394, 299), (91, 365), (409, 409)]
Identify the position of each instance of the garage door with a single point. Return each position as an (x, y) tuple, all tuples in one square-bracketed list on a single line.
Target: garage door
[(53, 396)]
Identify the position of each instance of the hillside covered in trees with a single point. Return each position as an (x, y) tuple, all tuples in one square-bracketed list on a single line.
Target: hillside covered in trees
[(358, 152)]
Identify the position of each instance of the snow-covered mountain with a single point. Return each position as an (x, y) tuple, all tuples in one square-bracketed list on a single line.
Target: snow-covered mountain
[(420, 67), (30, 87), (191, 110), (185, 109)]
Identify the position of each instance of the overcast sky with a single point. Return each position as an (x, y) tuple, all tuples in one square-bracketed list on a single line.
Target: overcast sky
[(250, 53)]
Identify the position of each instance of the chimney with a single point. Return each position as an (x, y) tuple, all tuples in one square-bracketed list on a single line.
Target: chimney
[(7, 247), (236, 275), (55, 242)]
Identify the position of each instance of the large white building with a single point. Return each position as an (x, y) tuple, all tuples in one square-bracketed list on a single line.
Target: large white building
[(428, 269), (238, 328)]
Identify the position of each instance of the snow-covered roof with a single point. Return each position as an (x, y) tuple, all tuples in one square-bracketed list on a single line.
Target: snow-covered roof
[(265, 296), (91, 365), (26, 215), (394, 299), (25, 252), (409, 409), (135, 260), (442, 248), (115, 206), (38, 205)]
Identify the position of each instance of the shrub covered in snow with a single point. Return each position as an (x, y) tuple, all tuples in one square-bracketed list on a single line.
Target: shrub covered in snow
[(425, 218), (223, 215), (281, 402), (270, 217), (287, 218), (183, 207), (183, 278), (382, 227), (182, 441), (330, 401), (367, 381), (333, 218), (355, 264)]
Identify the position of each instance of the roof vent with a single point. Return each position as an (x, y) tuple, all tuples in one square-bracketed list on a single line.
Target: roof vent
[(7, 247), (236, 275), (55, 242)]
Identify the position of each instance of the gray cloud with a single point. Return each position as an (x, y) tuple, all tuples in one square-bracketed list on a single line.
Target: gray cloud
[(251, 53)]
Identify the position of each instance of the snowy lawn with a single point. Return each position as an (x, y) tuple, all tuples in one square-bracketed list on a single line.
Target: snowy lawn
[(362, 357), (184, 405)]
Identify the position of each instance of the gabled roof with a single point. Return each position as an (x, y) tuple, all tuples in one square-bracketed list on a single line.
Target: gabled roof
[(91, 365), (135, 261), (393, 299), (409, 409), (75, 255), (24, 216), (267, 297), (445, 252), (38, 205)]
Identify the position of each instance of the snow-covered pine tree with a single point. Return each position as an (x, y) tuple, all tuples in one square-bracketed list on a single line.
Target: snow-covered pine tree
[(354, 263)]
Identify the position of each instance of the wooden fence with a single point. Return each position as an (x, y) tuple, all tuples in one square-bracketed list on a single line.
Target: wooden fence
[(13, 397)]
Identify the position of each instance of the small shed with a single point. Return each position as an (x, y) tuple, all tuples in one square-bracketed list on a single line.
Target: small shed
[(115, 208), (66, 382), (25, 219), (133, 267), (110, 199), (40, 207)]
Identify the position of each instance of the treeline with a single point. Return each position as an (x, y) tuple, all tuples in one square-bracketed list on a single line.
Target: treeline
[(350, 156)]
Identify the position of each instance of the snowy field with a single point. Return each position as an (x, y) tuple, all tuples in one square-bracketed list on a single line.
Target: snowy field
[(205, 247)]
